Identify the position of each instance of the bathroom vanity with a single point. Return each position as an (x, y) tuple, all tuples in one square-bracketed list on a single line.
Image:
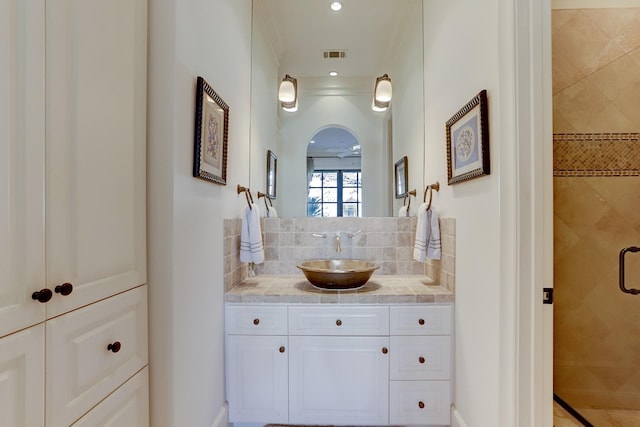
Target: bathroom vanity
[(379, 355)]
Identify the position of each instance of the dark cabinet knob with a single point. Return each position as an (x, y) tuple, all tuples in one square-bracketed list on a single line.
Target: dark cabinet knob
[(421, 405), (339, 322), (114, 347), (421, 359), (421, 322), (385, 350), (43, 295), (281, 349), (256, 321), (64, 289)]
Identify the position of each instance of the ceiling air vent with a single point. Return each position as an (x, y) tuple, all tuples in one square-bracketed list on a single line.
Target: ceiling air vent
[(333, 54)]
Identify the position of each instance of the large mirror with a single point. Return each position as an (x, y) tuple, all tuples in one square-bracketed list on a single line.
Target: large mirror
[(336, 155)]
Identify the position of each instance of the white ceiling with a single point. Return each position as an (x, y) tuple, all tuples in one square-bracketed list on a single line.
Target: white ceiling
[(368, 31)]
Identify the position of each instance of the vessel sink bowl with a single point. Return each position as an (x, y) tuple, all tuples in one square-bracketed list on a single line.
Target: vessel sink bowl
[(337, 274)]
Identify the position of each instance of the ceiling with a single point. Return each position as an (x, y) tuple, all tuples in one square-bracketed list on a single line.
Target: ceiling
[(367, 31)]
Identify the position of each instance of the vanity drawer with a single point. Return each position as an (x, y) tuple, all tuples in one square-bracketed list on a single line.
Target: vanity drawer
[(420, 358), (256, 319), (419, 402), (339, 320), (421, 320)]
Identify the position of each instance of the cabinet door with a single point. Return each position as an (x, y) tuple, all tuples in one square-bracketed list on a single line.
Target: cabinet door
[(339, 380), (22, 378), (93, 350), (257, 378), (128, 406), (21, 163), (95, 153)]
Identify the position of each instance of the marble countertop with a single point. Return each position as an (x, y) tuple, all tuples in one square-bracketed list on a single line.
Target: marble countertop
[(380, 289)]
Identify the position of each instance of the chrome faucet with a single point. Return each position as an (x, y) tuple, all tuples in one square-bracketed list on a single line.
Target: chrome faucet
[(338, 244)]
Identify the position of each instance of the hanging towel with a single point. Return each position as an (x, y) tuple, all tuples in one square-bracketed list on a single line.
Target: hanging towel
[(434, 247), (403, 212), (427, 242), (272, 212), (251, 249)]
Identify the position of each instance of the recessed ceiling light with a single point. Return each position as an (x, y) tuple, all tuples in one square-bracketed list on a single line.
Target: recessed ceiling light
[(336, 6), (333, 73)]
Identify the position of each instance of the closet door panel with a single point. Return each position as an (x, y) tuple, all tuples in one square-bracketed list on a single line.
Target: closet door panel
[(95, 148), (21, 163), (22, 378)]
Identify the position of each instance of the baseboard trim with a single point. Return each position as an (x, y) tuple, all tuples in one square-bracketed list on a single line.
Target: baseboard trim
[(222, 418), (456, 418)]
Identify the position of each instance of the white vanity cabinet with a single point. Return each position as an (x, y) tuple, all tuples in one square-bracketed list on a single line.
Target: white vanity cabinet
[(420, 364), (257, 363), (339, 364)]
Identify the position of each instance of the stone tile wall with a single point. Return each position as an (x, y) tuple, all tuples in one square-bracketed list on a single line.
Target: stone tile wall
[(385, 241)]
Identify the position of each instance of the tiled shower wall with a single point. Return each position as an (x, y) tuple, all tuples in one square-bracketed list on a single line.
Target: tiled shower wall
[(386, 241), (596, 81)]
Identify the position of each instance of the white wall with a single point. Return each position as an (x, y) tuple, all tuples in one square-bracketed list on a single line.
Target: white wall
[(408, 107), (317, 112), (264, 109), (188, 38), (462, 58)]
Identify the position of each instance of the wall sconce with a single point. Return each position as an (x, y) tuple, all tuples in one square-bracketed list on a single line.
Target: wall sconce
[(382, 93), (288, 93)]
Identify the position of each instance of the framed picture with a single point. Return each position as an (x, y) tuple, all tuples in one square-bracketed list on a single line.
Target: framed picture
[(401, 177), (468, 141), (211, 135), (272, 168)]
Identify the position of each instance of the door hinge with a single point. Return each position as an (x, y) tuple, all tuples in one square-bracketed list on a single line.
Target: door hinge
[(547, 296)]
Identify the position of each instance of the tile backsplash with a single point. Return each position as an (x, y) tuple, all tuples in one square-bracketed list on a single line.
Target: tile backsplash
[(385, 241)]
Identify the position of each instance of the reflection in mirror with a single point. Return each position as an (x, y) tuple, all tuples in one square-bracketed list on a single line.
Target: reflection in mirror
[(402, 177), (366, 39), (334, 174)]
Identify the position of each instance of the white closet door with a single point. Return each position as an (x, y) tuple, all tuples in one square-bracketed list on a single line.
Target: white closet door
[(22, 377), (96, 127), (21, 163)]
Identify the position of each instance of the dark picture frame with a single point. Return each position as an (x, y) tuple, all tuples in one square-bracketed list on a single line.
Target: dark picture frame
[(211, 135), (468, 141), (401, 174), (272, 174)]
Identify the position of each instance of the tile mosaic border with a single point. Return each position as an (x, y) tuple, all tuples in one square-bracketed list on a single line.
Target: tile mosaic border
[(596, 154)]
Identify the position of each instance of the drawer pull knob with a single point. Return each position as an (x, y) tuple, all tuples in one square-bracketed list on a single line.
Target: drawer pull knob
[(115, 347), (421, 405), (339, 322), (281, 349), (421, 359), (421, 322), (256, 321), (43, 295), (64, 289), (385, 350)]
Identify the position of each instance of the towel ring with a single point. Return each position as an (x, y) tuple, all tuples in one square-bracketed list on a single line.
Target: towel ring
[(247, 194), (430, 188), (266, 196), (409, 194)]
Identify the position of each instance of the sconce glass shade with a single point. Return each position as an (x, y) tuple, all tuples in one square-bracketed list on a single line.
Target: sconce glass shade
[(379, 106), (383, 91), (290, 107), (288, 90)]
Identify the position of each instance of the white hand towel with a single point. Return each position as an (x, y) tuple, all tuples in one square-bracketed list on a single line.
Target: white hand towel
[(403, 212), (420, 245), (434, 247), (272, 212), (251, 249), (427, 243)]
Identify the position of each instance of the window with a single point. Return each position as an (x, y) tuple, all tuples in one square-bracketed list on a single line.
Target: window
[(335, 193)]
